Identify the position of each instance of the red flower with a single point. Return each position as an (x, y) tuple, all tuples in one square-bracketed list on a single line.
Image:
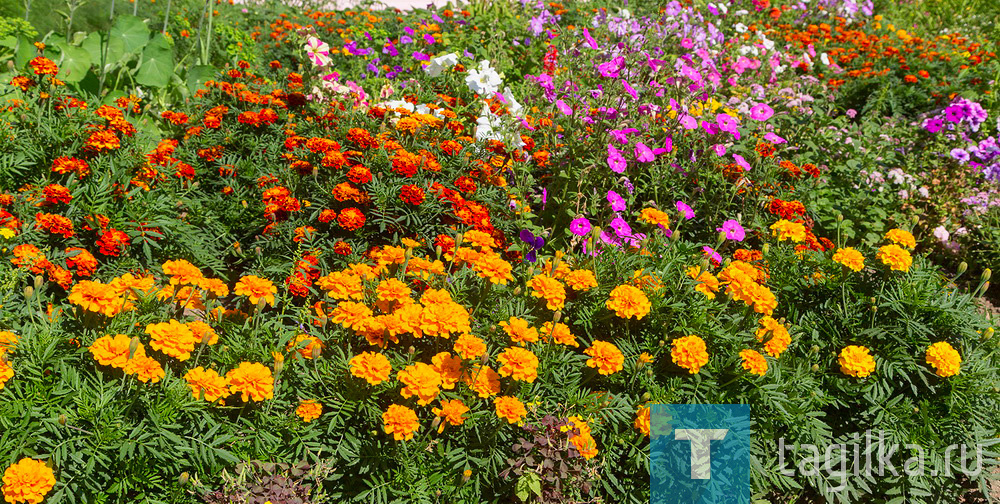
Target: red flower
[(351, 219), (411, 194), (113, 242)]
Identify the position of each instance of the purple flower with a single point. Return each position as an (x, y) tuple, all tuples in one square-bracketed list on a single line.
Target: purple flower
[(733, 229), (960, 155), (615, 160), (712, 254), (565, 109), (630, 90), (761, 112), (852, 113), (710, 128), (405, 39), (954, 113), (580, 226), (643, 154), (685, 210), (612, 68), (535, 242), (419, 56), (617, 203), (429, 39), (933, 125), (668, 145), (728, 124), (590, 40)]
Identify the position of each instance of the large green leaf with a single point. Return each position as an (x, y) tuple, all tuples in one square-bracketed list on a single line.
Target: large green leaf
[(132, 32), (75, 62), (24, 52), (198, 75), (157, 65), (115, 48)]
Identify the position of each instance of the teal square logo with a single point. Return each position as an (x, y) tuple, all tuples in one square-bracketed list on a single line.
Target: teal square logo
[(700, 454)]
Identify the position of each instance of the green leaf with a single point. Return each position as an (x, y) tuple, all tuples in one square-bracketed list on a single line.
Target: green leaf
[(24, 52), (157, 64), (75, 62), (115, 49), (131, 31), (198, 75), (527, 485)]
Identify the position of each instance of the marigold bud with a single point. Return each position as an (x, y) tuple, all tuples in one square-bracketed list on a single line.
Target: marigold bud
[(765, 249), (29, 291), (814, 349), (646, 396), (987, 334), (260, 304), (840, 217), (986, 287), (987, 274), (62, 419), (962, 267), (39, 280), (183, 478), (133, 346), (557, 316), (815, 367), (517, 291), (205, 338)]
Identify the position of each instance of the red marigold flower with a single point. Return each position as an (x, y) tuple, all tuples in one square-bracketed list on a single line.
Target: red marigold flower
[(411, 194), (351, 219), (55, 224), (55, 193), (359, 174), (103, 140), (44, 66), (113, 242), (342, 248), (466, 184)]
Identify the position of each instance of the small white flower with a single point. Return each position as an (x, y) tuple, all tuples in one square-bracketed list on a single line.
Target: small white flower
[(484, 80), (440, 64), (942, 234)]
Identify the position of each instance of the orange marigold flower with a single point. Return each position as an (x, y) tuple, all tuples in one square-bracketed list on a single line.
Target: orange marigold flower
[(113, 350), (629, 301), (342, 285), (494, 268), (146, 369), (655, 217), (351, 315), (373, 367), (7, 341), (605, 357), (112, 242), (203, 332), (780, 338), (182, 272), (896, 257), (55, 193), (449, 367), (518, 363), (28, 480), (351, 219), (172, 338), (55, 224), (558, 333), (788, 230), (43, 66), (945, 360), (469, 346), (252, 380), (850, 257), (65, 164), (856, 361), (901, 237), (642, 420), (102, 140), (483, 380), (256, 288), (6, 373), (451, 412), (519, 330), (754, 362), (510, 409), (581, 280), (392, 289), (420, 380), (80, 259), (309, 410), (96, 297), (208, 382), (552, 290), (707, 283), (308, 346), (689, 353), (401, 422)]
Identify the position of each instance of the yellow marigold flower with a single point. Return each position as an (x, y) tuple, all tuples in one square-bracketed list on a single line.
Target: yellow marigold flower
[(628, 301), (519, 330), (655, 217), (373, 367), (449, 368), (491, 266), (214, 286), (252, 380), (146, 368), (856, 361), (518, 363), (944, 359), (480, 239), (342, 285), (306, 345), (420, 380), (113, 350), (605, 357), (559, 333), (173, 339), (787, 230), (365, 271), (469, 346), (510, 408), (351, 315), (581, 280), (401, 422), (707, 283), (309, 410), (256, 288), (392, 290), (754, 362), (182, 272), (552, 290), (644, 358), (203, 331), (391, 255), (27, 481), (129, 285), (901, 237), (689, 353), (642, 420), (780, 338), (96, 297), (483, 380), (850, 257), (896, 257), (585, 444), (215, 387), (451, 413)]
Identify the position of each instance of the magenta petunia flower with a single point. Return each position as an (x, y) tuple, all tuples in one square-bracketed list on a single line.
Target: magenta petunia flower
[(617, 202), (740, 160), (775, 139), (630, 90), (720, 150), (761, 112), (688, 122), (615, 160), (712, 254), (565, 109), (622, 229), (685, 210), (590, 40), (933, 125), (643, 154), (580, 226), (734, 231)]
